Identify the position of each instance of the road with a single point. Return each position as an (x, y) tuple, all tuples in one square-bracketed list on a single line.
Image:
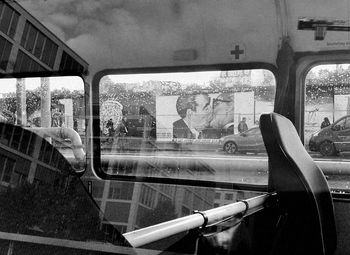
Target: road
[(218, 166)]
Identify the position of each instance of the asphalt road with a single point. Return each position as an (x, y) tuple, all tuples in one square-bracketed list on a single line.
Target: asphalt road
[(219, 166)]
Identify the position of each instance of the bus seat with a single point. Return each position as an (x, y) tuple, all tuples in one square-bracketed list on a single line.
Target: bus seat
[(306, 222)]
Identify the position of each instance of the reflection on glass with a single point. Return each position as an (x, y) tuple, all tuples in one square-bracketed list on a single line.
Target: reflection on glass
[(327, 105), (129, 206), (327, 116), (42, 199), (182, 124), (53, 107)]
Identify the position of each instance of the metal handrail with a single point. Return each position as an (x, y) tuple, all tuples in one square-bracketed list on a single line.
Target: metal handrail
[(63, 133), (163, 230)]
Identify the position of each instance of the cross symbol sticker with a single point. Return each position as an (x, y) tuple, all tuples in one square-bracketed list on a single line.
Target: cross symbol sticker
[(237, 52)]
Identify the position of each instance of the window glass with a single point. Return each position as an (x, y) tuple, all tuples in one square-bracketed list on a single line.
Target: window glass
[(49, 53), (42, 202), (6, 19), (147, 204), (31, 39), (8, 169), (327, 115), (52, 59), (12, 31), (54, 107), (185, 125), (5, 50), (39, 45)]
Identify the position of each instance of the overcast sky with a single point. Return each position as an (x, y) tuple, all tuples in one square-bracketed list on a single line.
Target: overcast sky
[(68, 82), (99, 30)]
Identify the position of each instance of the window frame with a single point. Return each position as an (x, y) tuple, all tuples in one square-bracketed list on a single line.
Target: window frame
[(304, 63), (96, 146)]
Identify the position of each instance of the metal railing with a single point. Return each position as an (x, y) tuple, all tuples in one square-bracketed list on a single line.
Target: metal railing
[(163, 230)]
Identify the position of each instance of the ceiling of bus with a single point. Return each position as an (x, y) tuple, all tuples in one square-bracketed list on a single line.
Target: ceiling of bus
[(334, 12), (133, 33)]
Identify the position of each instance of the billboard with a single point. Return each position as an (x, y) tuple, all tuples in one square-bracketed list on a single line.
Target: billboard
[(205, 117)]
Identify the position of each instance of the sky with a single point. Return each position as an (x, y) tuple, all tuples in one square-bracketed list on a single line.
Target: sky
[(99, 30), (110, 31), (133, 33), (68, 82), (184, 78), (203, 77)]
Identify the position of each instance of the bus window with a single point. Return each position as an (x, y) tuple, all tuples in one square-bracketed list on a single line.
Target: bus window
[(327, 115), (52, 107), (200, 125)]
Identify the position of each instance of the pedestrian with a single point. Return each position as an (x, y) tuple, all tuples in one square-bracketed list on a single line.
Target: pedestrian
[(325, 123), (242, 126), (110, 128), (123, 128)]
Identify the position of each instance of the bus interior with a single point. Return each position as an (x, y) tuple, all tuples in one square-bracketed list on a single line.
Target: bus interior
[(175, 127)]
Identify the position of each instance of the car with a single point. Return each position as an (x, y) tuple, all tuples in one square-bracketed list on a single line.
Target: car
[(248, 141), (332, 139)]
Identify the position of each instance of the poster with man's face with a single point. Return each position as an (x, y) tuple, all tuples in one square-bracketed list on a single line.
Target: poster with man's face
[(201, 116)]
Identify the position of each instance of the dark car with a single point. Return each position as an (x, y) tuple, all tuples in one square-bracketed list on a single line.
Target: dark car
[(332, 139), (248, 141)]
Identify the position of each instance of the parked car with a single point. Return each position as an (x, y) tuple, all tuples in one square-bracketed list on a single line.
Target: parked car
[(333, 138), (248, 141)]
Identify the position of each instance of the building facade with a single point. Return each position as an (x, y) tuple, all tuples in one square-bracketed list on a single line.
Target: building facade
[(26, 45)]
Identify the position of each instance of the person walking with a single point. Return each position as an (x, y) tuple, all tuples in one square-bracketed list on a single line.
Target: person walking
[(325, 123), (242, 126)]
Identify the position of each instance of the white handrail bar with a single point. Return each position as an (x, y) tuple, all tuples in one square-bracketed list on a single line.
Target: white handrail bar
[(157, 232), (63, 132)]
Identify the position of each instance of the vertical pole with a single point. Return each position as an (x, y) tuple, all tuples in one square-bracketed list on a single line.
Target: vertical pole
[(45, 102), (254, 109), (10, 250), (21, 105), (333, 92)]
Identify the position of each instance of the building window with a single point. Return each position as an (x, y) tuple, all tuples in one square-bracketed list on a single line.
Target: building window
[(185, 211), (46, 152), (163, 198), (228, 196), (117, 212), (120, 190), (49, 53), (16, 138), (18, 179), (198, 203), (39, 45), (112, 232), (187, 197), (69, 64), (97, 190), (25, 64), (6, 135), (26, 136), (147, 196), (167, 189), (5, 49), (121, 229), (8, 20), (7, 166)]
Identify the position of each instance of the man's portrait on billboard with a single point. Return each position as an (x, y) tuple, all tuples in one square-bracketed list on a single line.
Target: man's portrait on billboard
[(195, 112)]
